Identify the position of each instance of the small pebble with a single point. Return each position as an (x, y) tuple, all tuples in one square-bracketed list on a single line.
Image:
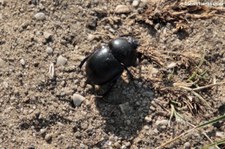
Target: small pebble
[(117, 145), (48, 35), (148, 119), (40, 16), (43, 130), (77, 99), (220, 134), (187, 145), (48, 137), (120, 9), (61, 60), (162, 122), (49, 50), (22, 62), (135, 3), (171, 65), (91, 37)]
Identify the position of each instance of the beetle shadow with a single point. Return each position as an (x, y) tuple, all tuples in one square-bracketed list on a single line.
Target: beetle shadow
[(126, 107)]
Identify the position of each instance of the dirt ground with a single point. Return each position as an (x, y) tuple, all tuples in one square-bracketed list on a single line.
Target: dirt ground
[(43, 41)]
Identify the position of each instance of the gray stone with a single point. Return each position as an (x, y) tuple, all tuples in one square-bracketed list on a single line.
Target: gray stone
[(61, 60), (120, 9), (187, 145), (162, 122), (77, 99), (43, 130), (135, 3), (48, 35), (49, 50), (40, 16), (220, 134), (48, 137), (171, 65), (22, 62)]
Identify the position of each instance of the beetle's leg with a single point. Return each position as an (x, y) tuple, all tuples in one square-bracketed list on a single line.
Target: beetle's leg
[(128, 72), (109, 88), (83, 61), (112, 83)]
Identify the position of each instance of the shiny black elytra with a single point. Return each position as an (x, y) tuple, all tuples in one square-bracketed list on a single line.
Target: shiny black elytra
[(107, 63)]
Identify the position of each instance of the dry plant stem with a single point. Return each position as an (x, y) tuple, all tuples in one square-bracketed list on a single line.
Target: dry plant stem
[(190, 130), (207, 86), (176, 138)]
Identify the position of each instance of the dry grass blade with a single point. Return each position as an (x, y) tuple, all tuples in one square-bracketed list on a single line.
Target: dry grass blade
[(208, 86), (197, 95), (190, 130), (214, 144)]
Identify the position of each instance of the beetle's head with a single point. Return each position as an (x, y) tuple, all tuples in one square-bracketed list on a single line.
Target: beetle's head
[(124, 49), (134, 43)]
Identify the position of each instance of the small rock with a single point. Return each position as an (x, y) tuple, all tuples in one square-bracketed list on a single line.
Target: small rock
[(91, 37), (61, 60), (135, 3), (117, 144), (162, 122), (171, 65), (148, 119), (220, 134), (120, 9), (48, 137), (187, 145), (49, 50), (77, 99), (40, 16), (43, 130), (22, 62), (146, 127), (47, 35)]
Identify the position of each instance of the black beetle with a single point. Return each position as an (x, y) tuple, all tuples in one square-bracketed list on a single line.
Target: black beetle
[(107, 63)]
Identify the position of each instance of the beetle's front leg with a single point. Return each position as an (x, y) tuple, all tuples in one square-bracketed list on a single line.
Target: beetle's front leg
[(83, 61), (128, 72)]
